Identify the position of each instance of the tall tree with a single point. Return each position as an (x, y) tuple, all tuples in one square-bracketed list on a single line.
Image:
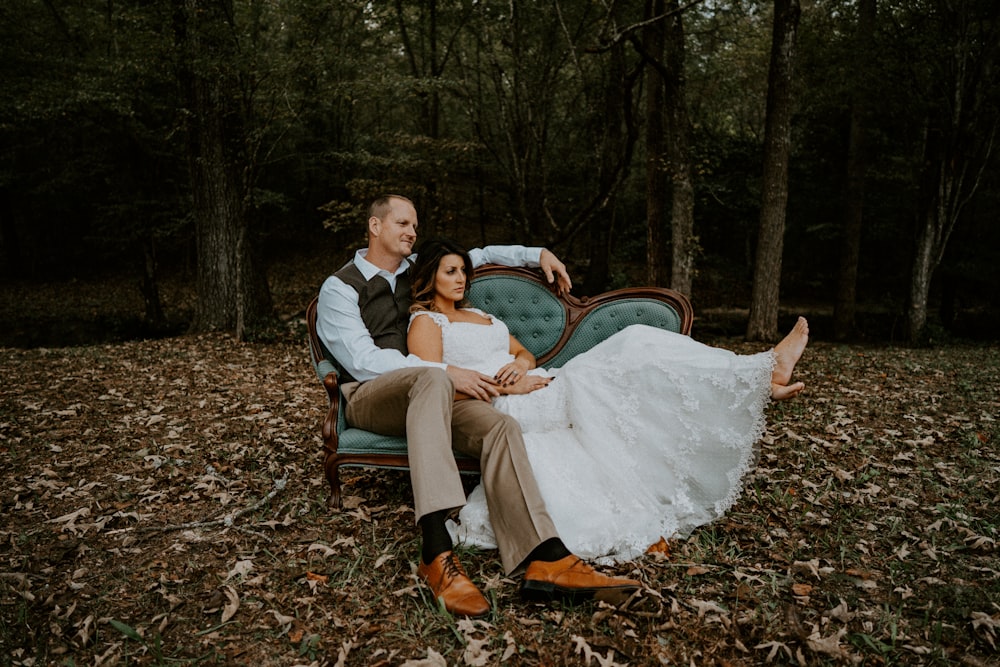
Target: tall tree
[(232, 290), (960, 130), (428, 32), (857, 168), (669, 178), (763, 322), (656, 177), (683, 243), (555, 116)]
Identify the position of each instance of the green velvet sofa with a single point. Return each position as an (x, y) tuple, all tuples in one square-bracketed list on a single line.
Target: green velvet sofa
[(553, 327)]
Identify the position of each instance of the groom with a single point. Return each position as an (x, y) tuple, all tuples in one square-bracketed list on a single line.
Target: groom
[(362, 319)]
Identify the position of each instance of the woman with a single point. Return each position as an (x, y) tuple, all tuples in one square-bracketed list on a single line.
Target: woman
[(646, 435)]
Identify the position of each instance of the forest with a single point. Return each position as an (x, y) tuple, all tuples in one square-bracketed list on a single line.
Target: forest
[(178, 177), (835, 153)]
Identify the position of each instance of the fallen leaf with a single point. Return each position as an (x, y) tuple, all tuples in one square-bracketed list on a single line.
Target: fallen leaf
[(433, 659), (85, 629), (326, 550), (840, 613), (807, 567), (661, 547), (801, 589), (476, 653), (705, 606), (72, 516), (232, 605), (511, 646), (241, 569), (775, 646), (828, 645), (352, 502), (344, 651), (281, 618)]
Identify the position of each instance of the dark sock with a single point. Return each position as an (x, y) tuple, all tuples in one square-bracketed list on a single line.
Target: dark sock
[(436, 539), (550, 550)]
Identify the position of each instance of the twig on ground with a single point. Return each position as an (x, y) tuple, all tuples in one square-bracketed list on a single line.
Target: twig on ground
[(228, 520)]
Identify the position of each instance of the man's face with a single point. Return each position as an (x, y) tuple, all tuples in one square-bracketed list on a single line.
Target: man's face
[(396, 232)]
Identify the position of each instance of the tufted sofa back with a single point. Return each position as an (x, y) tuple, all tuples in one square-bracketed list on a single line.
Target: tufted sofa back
[(534, 315), (555, 328)]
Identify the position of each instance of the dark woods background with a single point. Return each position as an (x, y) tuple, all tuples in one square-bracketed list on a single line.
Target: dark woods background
[(207, 142)]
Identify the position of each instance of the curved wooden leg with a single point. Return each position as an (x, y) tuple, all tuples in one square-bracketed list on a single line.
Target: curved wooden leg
[(332, 470)]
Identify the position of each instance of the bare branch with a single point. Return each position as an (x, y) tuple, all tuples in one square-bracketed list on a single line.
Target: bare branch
[(635, 27)]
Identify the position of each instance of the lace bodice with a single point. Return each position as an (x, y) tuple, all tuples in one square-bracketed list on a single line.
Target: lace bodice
[(486, 348), (481, 347)]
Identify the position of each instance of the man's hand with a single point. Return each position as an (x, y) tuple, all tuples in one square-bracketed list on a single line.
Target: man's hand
[(473, 384), (555, 270)]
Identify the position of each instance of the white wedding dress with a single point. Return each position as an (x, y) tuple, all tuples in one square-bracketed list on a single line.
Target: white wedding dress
[(646, 435)]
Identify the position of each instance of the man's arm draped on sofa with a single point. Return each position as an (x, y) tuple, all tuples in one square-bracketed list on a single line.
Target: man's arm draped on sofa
[(343, 331)]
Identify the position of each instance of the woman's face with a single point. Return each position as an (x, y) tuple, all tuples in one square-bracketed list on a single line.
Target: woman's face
[(449, 281)]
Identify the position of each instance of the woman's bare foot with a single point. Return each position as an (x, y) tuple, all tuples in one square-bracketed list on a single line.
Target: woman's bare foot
[(781, 392), (787, 353)]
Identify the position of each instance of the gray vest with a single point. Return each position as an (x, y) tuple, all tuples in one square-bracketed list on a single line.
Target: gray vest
[(385, 313)]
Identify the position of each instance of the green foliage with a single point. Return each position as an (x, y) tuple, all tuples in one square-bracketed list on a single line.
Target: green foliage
[(505, 122)]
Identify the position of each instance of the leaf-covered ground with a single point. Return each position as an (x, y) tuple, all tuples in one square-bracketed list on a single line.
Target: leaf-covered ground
[(163, 502)]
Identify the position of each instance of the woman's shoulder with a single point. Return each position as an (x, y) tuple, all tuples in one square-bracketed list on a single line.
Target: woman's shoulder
[(438, 318)]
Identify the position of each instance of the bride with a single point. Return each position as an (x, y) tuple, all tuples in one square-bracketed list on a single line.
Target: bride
[(646, 435)]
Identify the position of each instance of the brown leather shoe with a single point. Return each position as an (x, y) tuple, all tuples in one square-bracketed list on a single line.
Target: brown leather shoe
[(450, 584), (572, 580)]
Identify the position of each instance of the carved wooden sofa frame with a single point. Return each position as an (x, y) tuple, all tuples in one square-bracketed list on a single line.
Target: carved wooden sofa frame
[(554, 327)]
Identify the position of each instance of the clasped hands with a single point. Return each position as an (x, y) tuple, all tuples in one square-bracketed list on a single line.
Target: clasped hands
[(513, 378), (510, 379)]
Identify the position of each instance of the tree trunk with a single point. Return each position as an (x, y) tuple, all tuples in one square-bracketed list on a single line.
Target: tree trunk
[(232, 294), (857, 166), (763, 322), (150, 287), (682, 241), (656, 189), (10, 248), (920, 279), (958, 145), (611, 149)]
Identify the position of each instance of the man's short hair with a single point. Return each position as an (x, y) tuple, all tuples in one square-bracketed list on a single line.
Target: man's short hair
[(380, 206)]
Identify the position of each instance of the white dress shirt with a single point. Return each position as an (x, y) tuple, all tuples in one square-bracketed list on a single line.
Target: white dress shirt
[(343, 331)]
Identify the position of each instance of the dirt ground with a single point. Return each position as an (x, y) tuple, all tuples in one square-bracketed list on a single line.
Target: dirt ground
[(164, 503)]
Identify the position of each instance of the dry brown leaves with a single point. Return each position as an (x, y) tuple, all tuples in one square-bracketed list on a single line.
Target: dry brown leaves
[(164, 500)]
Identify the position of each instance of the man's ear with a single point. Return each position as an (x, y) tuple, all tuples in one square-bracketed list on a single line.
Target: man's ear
[(374, 226)]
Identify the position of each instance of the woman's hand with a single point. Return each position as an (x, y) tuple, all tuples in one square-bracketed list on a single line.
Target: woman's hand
[(512, 372), (526, 385)]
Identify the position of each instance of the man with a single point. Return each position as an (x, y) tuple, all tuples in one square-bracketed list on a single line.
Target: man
[(362, 318)]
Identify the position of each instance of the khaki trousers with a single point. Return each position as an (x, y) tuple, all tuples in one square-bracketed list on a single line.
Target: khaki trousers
[(419, 403)]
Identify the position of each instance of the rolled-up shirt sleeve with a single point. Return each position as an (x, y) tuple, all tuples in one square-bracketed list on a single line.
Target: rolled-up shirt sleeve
[(340, 327), (506, 255)]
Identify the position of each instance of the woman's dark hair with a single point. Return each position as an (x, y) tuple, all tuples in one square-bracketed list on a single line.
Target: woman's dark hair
[(429, 257)]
